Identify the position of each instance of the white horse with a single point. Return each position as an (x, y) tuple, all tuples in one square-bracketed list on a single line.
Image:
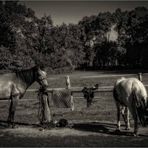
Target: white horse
[(130, 95)]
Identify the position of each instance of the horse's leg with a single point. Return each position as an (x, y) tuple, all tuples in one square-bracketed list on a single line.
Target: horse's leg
[(135, 117), (118, 116), (127, 118), (12, 108), (115, 95), (123, 113), (135, 125), (9, 120)]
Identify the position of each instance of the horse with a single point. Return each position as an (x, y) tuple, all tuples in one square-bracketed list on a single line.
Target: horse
[(130, 95), (89, 93), (14, 85)]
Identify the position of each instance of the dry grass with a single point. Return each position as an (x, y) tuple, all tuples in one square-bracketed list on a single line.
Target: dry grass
[(103, 111)]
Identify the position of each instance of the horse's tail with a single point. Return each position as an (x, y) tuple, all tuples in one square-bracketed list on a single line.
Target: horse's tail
[(115, 95), (140, 108)]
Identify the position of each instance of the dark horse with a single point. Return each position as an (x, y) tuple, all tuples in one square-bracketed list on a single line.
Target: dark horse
[(89, 93), (14, 85)]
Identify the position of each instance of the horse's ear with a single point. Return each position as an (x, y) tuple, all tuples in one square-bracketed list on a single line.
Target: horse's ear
[(40, 67), (43, 68), (96, 86), (84, 89)]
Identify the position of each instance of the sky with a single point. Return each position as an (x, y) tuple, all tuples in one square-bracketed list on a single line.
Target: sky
[(73, 11)]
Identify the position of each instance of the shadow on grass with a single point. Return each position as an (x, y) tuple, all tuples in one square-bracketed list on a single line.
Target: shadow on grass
[(97, 127), (106, 128), (4, 124)]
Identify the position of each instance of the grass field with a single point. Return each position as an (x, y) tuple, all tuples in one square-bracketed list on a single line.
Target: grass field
[(91, 124)]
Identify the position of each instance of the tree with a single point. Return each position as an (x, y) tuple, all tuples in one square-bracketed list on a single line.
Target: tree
[(20, 25), (132, 35), (94, 29)]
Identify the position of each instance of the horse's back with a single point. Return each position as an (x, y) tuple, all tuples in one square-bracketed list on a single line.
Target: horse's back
[(123, 87), (139, 88), (7, 82), (7, 76), (126, 86)]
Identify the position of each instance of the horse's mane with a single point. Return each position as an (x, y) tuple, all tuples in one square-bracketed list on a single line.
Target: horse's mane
[(27, 75)]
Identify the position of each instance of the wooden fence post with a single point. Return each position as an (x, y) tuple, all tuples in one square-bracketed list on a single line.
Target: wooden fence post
[(72, 102), (140, 76), (68, 85)]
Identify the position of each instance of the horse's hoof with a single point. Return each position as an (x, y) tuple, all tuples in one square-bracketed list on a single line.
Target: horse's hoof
[(135, 135), (127, 128), (14, 126), (41, 129), (117, 131), (9, 126), (70, 125), (53, 114)]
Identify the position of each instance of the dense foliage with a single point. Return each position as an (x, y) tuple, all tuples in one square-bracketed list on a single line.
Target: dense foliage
[(118, 39)]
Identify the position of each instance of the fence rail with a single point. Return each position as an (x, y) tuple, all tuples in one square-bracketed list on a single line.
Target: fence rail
[(72, 89), (77, 89)]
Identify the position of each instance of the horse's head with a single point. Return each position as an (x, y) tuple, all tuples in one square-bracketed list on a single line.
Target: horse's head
[(41, 77), (89, 94)]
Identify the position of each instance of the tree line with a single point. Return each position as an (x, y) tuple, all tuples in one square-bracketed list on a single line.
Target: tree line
[(26, 40)]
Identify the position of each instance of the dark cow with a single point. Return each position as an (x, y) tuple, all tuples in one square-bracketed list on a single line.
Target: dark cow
[(89, 93)]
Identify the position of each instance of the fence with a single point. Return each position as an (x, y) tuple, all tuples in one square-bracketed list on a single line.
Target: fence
[(102, 109), (75, 90), (79, 89)]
